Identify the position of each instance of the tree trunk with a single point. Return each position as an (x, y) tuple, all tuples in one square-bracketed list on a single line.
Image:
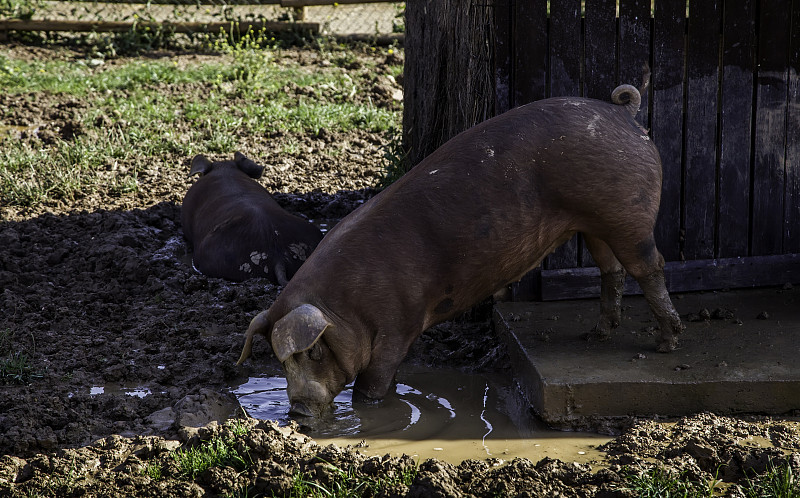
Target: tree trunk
[(448, 75)]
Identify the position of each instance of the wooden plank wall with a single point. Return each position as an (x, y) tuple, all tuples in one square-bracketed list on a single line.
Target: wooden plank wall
[(723, 107)]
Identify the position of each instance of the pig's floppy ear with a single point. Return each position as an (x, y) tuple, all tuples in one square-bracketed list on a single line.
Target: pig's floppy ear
[(200, 165), (298, 331), (249, 167)]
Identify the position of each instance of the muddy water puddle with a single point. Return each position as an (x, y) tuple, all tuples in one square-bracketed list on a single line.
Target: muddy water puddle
[(440, 414), (15, 131)]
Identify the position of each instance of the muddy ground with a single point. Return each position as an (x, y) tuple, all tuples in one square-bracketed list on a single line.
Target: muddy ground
[(125, 346)]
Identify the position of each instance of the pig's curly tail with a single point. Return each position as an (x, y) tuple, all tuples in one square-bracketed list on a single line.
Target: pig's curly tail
[(628, 96)]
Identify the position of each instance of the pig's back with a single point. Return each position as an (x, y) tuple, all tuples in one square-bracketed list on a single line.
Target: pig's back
[(489, 204)]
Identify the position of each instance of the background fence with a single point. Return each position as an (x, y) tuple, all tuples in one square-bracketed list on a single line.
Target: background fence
[(723, 108), (380, 20)]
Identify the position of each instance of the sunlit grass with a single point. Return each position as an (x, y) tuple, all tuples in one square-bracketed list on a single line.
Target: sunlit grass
[(348, 483), (134, 109)]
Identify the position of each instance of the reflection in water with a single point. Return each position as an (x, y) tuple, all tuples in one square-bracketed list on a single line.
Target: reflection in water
[(138, 391), (485, 421), (432, 413)]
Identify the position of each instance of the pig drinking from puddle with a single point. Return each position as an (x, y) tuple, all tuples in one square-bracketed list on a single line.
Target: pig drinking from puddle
[(237, 229), (474, 216)]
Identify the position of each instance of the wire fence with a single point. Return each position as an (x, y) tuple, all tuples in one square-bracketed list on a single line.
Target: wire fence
[(354, 18)]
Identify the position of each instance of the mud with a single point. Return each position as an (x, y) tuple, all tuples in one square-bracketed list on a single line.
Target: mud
[(129, 354)]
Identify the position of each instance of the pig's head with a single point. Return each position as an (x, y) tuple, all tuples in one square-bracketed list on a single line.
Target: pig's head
[(318, 358), (201, 165)]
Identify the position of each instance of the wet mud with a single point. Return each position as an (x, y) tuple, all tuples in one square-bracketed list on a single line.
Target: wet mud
[(129, 356)]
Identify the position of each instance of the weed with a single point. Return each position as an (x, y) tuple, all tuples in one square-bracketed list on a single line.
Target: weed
[(16, 369), (243, 492), (395, 159), (217, 452), (776, 482), (660, 483), (62, 485), (347, 483), (238, 427), (152, 470)]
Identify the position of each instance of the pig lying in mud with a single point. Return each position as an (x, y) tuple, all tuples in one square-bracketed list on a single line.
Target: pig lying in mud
[(237, 229), (474, 216)]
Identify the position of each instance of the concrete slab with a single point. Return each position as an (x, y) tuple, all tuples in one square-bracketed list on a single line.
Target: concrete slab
[(740, 354)]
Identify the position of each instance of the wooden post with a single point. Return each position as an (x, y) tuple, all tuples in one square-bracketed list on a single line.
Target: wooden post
[(449, 72)]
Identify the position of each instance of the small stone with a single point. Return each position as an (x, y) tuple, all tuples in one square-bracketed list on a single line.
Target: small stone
[(722, 314), (763, 316), (682, 366)]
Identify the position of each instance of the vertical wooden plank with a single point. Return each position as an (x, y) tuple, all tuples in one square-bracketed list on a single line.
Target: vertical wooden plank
[(634, 49), (738, 53), (700, 149), (769, 174), (601, 48), (566, 48), (502, 53), (600, 69), (566, 52), (667, 131), (791, 243), (530, 50)]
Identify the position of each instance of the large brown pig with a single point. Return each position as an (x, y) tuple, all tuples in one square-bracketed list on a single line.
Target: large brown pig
[(474, 216), (237, 229)]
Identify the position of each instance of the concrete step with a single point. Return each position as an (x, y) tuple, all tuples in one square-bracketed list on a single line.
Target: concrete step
[(743, 357)]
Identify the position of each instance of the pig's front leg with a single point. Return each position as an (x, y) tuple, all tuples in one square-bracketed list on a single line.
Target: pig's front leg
[(375, 381)]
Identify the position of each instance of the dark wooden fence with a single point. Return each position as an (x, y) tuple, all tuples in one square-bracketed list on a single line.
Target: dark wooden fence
[(723, 107)]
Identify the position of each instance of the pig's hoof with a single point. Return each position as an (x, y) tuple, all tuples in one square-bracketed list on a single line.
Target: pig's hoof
[(668, 345), (597, 334)]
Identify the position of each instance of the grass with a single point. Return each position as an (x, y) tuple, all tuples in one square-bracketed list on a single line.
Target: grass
[(153, 470), (219, 451), (776, 482), (347, 484), (657, 482), (15, 367), (142, 108)]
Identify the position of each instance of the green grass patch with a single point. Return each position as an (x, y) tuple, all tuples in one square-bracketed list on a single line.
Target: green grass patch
[(347, 483), (133, 110), (777, 482), (16, 368), (153, 470), (219, 451), (657, 482)]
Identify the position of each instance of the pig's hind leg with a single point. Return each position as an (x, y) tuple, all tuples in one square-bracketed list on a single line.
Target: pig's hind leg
[(643, 261), (612, 280)]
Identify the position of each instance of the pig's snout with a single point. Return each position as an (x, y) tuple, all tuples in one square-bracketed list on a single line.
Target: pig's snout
[(310, 407), (298, 408), (307, 397)]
